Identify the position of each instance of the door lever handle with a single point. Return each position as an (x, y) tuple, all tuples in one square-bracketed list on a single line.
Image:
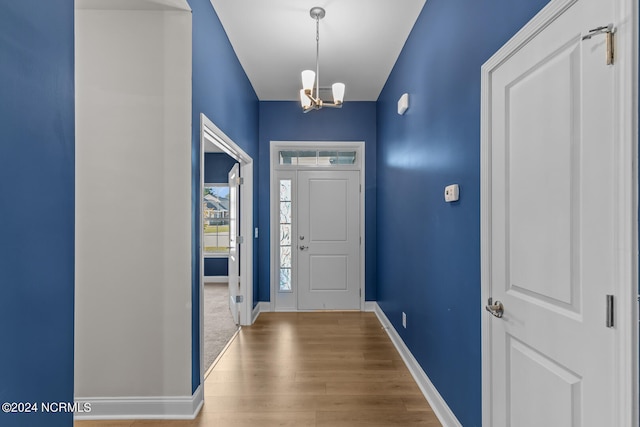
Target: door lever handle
[(302, 247), (497, 309)]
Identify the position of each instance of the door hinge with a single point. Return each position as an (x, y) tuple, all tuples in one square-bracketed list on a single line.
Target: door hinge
[(361, 188), (608, 32), (239, 180), (240, 240), (610, 312), (360, 240), (239, 299)]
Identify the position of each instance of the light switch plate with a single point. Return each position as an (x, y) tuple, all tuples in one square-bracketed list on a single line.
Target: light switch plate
[(451, 193)]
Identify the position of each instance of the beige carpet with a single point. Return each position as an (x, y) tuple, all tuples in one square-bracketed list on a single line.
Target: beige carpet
[(218, 322)]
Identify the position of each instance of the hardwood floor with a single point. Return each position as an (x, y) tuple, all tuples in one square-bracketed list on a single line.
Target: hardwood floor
[(307, 369)]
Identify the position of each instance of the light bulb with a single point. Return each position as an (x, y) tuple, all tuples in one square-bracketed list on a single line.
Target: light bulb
[(304, 99), (338, 92), (308, 77)]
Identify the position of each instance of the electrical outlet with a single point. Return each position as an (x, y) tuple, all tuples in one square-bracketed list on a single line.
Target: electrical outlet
[(404, 320)]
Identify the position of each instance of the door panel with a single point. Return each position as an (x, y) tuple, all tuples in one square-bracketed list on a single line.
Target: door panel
[(328, 218), (328, 272), (529, 370), (552, 229), (541, 211), (329, 240)]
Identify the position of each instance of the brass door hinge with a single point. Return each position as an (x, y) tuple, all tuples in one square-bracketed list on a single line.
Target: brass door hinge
[(608, 32)]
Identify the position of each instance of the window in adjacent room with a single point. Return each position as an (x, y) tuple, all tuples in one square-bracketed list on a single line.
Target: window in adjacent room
[(216, 219)]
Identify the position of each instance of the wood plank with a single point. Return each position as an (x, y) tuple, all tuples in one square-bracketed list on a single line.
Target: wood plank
[(261, 387), (354, 376), (390, 388), (375, 419), (105, 423), (221, 377), (416, 403), (255, 419)]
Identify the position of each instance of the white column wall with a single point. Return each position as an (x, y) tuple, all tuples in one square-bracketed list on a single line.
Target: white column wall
[(133, 212)]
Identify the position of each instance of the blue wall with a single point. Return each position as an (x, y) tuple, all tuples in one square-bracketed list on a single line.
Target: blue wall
[(216, 171), (216, 266), (285, 121), (222, 91), (36, 207), (429, 250), (217, 167)]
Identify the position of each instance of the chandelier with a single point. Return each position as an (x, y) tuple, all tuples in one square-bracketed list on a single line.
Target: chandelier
[(307, 99)]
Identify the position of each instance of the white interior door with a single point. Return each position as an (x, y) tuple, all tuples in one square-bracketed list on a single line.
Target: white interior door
[(234, 247), (552, 226), (329, 240)]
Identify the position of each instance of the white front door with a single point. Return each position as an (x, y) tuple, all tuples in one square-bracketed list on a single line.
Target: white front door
[(551, 224), (328, 241), (234, 248)]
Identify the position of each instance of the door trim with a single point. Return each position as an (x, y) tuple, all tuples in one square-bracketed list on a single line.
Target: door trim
[(274, 147), (211, 134), (625, 199)]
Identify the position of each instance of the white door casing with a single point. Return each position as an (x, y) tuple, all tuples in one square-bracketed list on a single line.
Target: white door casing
[(234, 247), (556, 235), (328, 243), (211, 135), (309, 260)]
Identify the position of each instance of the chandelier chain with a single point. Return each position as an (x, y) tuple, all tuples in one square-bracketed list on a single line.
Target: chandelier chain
[(317, 57)]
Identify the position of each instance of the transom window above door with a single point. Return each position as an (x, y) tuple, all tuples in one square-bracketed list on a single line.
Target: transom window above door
[(317, 157)]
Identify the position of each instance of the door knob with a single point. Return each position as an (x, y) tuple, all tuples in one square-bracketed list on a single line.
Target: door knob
[(497, 309)]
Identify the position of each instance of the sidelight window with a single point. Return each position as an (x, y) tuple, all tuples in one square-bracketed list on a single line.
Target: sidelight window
[(285, 236)]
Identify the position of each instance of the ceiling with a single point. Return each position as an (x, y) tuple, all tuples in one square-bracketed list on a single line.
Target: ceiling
[(360, 41)]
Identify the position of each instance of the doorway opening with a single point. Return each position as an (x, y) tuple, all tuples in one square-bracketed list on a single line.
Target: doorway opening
[(317, 226), (220, 324), (226, 244)]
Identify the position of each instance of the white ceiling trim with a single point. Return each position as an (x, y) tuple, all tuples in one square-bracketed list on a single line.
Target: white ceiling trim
[(133, 5)]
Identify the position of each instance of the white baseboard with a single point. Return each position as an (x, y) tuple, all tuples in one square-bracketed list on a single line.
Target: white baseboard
[(439, 406), (261, 307), (138, 408), (370, 306), (215, 279), (265, 307)]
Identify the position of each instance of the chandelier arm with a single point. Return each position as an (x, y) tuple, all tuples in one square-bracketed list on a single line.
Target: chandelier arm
[(313, 100)]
